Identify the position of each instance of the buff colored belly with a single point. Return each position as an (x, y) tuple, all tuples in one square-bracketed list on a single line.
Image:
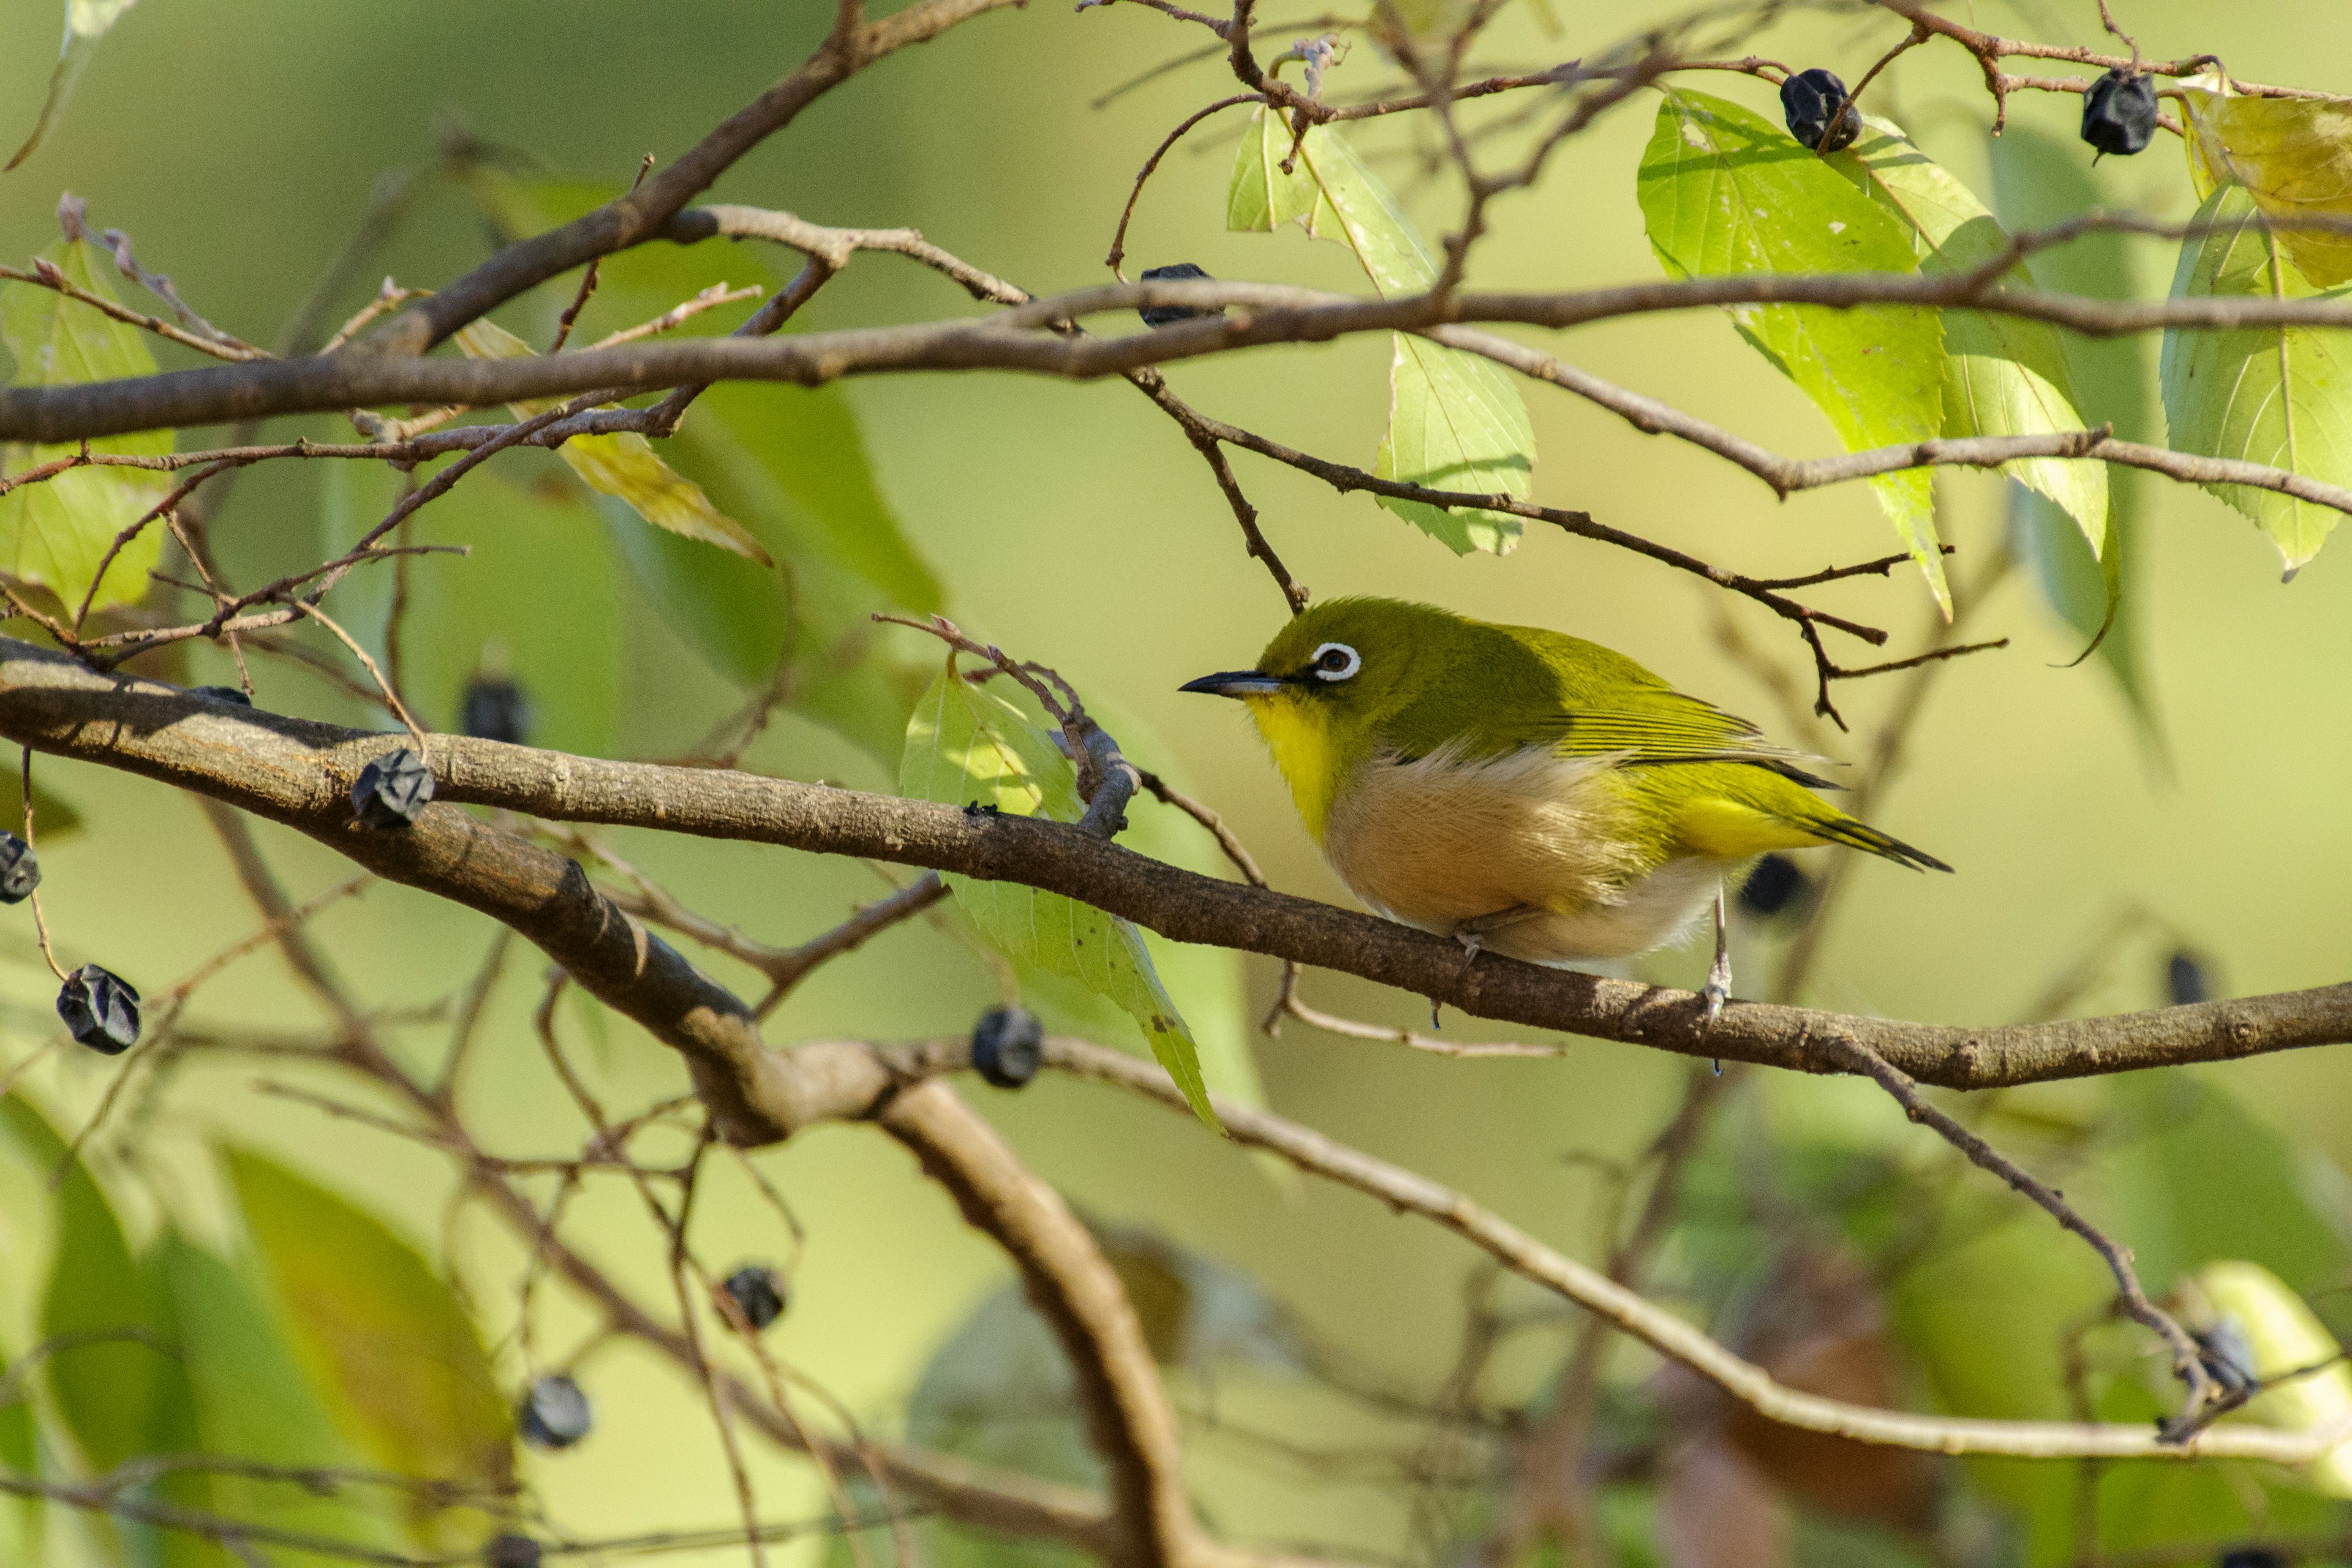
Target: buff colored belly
[(1436, 842)]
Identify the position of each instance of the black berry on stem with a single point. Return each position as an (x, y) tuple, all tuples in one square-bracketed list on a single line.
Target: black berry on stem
[(758, 1293), (1166, 315), (392, 790), (1008, 1046), (20, 870), (2119, 113), (553, 1413), (101, 1009), (494, 708), (1819, 112)]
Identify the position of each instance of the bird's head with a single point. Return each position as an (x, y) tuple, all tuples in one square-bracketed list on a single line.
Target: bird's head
[(1323, 685)]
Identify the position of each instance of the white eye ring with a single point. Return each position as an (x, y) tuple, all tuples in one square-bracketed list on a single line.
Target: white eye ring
[(1336, 661)]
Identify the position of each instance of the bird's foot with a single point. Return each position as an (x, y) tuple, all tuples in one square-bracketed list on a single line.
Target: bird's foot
[(1717, 990)]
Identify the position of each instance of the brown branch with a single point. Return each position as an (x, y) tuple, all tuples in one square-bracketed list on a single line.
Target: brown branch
[(2131, 1297), (637, 216), (1268, 314), (1073, 1288), (299, 773)]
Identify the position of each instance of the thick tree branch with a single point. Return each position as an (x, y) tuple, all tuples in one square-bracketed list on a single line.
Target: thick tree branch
[(1257, 314), (299, 773)]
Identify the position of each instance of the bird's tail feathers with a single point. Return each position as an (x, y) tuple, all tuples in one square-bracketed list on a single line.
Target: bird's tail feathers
[(1839, 829)]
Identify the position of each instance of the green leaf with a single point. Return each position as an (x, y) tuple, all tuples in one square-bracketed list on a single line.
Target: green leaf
[(87, 21), (2281, 396), (252, 1403), (55, 534), (2002, 376), (1725, 192), (1456, 420), (20, 1518), (1208, 983), (2037, 183), (398, 1363), (966, 746), (623, 465)]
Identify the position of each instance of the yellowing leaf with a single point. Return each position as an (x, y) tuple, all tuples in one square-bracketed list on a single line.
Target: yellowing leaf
[(2003, 375), (971, 748), (1456, 420), (2268, 394), (624, 465), (2283, 1337), (57, 533), (2294, 155)]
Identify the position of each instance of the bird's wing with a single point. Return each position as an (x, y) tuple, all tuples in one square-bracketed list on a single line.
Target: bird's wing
[(1662, 726)]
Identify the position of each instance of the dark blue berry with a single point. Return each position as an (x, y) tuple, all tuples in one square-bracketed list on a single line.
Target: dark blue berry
[(494, 708), (2251, 1557), (1776, 884), (392, 790), (1819, 112), (2119, 113), (20, 870), (2227, 1356), (554, 1414), (511, 1552), (102, 1009), (222, 694), (1008, 1046), (2185, 980), (758, 1293), (1167, 315)]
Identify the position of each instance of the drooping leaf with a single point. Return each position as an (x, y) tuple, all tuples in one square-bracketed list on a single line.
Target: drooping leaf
[(969, 747), (2038, 183), (2294, 155), (252, 1404), (58, 532), (1456, 420), (2003, 375), (1725, 192), (2280, 395), (395, 1359), (87, 21), (1208, 983), (624, 465)]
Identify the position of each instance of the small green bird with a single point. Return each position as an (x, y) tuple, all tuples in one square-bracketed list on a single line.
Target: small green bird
[(1523, 790)]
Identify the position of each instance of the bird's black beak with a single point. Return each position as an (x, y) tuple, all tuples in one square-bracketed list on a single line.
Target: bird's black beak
[(1235, 683)]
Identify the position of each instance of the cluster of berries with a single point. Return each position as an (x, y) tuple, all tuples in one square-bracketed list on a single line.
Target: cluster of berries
[(2118, 112)]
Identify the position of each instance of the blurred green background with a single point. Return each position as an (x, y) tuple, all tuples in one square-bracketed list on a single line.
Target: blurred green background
[(236, 142)]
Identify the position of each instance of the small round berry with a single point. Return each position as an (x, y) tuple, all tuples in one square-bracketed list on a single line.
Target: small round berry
[(494, 708), (2119, 113), (1776, 885), (511, 1550), (554, 1414), (1168, 315), (758, 1293), (102, 1009), (2251, 1557), (222, 694), (1008, 1046), (20, 870), (392, 790), (2185, 980), (1819, 113)]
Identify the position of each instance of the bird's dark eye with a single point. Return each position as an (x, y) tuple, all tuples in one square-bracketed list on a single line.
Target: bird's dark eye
[(1336, 661)]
